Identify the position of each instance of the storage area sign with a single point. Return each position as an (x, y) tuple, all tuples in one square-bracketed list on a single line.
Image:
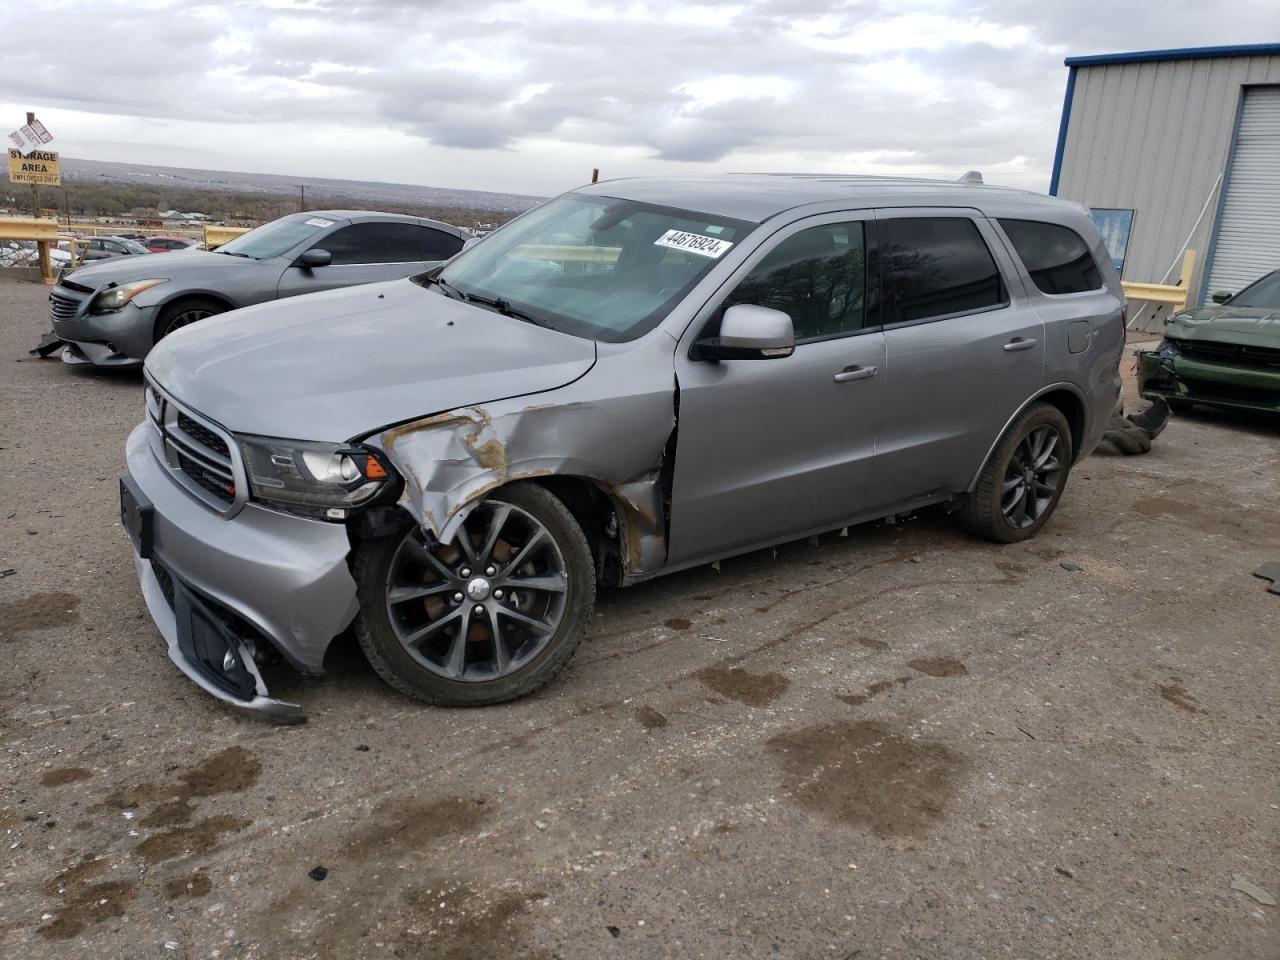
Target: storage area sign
[(40, 167)]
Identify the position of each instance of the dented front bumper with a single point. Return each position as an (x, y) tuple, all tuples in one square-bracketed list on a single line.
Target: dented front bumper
[(1186, 380), (215, 585)]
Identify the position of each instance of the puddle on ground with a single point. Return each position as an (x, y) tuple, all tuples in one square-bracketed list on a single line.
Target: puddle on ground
[(196, 885), (650, 718), (83, 903), (753, 689), (1174, 692), (40, 611), (874, 690), (63, 775), (938, 667), (180, 841), (413, 823), (1216, 521), (232, 770), (869, 774)]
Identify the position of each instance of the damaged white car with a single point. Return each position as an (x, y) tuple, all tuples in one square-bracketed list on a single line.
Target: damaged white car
[(631, 379)]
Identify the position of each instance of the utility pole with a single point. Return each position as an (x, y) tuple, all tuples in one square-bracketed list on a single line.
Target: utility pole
[(35, 187), (302, 198)]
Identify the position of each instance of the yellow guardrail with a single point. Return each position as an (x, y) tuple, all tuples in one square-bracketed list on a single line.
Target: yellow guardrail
[(38, 229), (215, 236), (1164, 294)]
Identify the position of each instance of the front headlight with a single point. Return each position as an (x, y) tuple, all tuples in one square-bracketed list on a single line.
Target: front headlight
[(314, 479), (113, 298)]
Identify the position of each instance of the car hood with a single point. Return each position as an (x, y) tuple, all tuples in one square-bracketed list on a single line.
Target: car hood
[(1247, 326), (338, 365), (168, 266)]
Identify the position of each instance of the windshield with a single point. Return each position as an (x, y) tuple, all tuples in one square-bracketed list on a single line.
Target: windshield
[(274, 238), (134, 247), (595, 266), (1263, 293)]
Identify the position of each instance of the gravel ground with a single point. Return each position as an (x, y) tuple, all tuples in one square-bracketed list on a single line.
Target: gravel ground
[(900, 743)]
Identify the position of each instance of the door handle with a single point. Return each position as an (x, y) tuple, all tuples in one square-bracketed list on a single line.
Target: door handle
[(856, 373), (1019, 343)]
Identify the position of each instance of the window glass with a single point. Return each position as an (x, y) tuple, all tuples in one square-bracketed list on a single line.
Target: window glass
[(1264, 293), (438, 245), (936, 267), (274, 238), (818, 277), (374, 242), (596, 266), (1056, 257)]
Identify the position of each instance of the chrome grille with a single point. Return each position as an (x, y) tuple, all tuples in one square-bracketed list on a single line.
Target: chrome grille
[(200, 455), (62, 307)]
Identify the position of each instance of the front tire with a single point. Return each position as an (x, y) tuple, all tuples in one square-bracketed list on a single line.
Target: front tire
[(184, 313), (1023, 479), (491, 617)]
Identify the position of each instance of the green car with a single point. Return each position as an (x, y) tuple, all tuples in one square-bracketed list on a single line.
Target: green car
[(1226, 355)]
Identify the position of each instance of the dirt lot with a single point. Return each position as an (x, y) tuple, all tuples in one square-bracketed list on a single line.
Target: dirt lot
[(903, 743)]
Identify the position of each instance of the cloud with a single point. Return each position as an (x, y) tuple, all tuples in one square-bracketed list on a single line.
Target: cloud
[(929, 85)]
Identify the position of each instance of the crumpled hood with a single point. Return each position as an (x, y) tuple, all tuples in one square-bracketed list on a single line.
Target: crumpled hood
[(337, 365), (1249, 326), (166, 266)]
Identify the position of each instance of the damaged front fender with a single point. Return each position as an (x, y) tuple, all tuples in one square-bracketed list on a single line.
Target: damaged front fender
[(453, 460)]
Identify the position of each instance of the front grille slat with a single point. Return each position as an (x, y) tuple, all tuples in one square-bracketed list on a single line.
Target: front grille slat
[(63, 307), (199, 454), (199, 432), (1230, 354)]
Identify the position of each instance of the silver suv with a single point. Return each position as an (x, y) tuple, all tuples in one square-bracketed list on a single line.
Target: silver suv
[(634, 378)]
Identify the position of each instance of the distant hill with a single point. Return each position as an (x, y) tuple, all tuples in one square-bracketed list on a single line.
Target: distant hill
[(318, 188)]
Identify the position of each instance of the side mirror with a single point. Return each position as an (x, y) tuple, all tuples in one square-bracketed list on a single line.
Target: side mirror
[(1222, 296), (315, 257), (748, 332)]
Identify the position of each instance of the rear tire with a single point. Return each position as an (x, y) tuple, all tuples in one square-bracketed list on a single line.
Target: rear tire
[(183, 313), (513, 630), (1023, 479)]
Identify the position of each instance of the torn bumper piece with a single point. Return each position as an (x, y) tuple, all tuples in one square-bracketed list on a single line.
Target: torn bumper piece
[(206, 648)]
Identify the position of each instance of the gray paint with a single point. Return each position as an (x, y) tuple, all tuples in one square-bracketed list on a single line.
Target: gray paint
[(1154, 137), (234, 281), (765, 451)]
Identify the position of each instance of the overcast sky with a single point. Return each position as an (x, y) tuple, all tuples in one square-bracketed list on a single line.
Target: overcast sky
[(528, 97)]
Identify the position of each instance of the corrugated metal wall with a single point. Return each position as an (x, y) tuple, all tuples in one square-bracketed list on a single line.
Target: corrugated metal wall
[(1153, 137)]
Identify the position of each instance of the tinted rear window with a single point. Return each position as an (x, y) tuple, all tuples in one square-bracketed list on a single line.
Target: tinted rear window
[(1057, 257), (937, 267)]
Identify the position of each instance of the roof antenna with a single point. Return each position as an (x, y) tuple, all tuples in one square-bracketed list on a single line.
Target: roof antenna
[(973, 176)]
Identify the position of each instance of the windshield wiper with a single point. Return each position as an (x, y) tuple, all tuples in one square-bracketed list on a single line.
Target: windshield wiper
[(447, 288), (233, 253), (505, 308)]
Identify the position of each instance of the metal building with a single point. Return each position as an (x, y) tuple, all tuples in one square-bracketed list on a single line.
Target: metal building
[(1175, 149)]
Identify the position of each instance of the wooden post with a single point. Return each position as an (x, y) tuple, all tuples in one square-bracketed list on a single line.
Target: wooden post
[(46, 264), (595, 174)]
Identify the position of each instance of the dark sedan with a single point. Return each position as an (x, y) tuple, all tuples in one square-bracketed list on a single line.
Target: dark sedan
[(111, 313)]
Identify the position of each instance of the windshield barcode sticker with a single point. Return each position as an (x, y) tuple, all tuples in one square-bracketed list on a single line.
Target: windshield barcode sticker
[(694, 243), (319, 222)]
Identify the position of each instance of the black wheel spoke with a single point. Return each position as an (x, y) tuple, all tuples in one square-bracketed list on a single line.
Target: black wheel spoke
[(406, 592), (501, 513), (550, 583)]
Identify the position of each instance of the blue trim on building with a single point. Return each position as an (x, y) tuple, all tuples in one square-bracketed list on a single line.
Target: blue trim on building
[(1186, 53), (1062, 132), (1204, 292)]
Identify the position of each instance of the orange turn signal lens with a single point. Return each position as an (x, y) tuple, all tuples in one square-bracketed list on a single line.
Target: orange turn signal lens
[(374, 469)]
